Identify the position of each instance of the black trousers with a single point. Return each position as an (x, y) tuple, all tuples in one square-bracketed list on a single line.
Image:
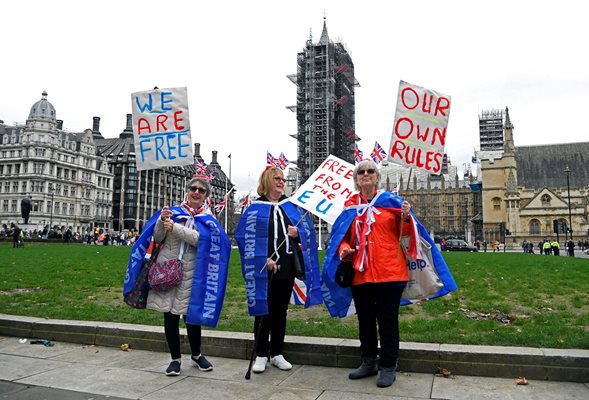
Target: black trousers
[(271, 335), (172, 330), (378, 303)]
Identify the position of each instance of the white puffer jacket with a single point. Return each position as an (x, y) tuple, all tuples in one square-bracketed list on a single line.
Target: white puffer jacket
[(175, 300)]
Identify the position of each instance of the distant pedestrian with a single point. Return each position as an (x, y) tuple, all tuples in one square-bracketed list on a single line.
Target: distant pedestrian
[(555, 248), (541, 247), (547, 248), (571, 248)]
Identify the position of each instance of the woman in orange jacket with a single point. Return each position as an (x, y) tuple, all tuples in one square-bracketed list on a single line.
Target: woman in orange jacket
[(372, 243)]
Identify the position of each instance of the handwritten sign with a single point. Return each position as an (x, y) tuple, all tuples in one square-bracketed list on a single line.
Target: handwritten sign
[(161, 128), (327, 189), (419, 132)]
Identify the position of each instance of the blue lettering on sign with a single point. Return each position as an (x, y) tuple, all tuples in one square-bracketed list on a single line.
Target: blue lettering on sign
[(168, 146), (149, 104), (305, 195), (326, 209)]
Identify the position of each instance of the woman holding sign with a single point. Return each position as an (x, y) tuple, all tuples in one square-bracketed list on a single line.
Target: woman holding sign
[(183, 232), (371, 242), (277, 243)]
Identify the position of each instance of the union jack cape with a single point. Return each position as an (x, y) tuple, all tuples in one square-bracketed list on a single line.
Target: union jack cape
[(338, 300), (213, 250), (251, 235)]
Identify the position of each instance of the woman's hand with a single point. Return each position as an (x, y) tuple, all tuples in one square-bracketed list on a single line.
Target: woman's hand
[(293, 231), (405, 208), (272, 266), (346, 253), (166, 214), (169, 225)]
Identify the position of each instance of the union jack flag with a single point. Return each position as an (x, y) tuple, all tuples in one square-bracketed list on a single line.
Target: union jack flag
[(221, 206), (270, 160), (282, 161), (245, 203), (212, 174), (358, 154), (201, 167), (298, 295), (378, 154)]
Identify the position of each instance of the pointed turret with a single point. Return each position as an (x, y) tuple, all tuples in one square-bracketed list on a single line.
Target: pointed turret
[(324, 36), (509, 146)]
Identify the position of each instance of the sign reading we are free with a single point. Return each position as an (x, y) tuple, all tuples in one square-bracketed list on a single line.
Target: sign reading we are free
[(419, 130), (161, 128)]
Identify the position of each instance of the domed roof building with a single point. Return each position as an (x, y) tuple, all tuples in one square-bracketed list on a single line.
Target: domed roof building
[(68, 182)]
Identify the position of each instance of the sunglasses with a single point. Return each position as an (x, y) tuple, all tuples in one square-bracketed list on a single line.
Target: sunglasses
[(366, 171), (199, 189)]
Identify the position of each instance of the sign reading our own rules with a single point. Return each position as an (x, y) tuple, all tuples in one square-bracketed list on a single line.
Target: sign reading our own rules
[(419, 131), (161, 128)]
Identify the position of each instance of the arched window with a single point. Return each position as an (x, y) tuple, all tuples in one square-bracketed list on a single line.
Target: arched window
[(534, 227), (496, 203), (545, 199)]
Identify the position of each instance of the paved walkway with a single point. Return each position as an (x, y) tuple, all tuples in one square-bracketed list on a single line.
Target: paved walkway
[(68, 371)]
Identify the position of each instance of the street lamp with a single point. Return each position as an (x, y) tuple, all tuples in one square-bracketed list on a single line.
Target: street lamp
[(568, 172), (52, 191)]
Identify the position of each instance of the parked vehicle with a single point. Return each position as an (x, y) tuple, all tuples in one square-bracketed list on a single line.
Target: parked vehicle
[(459, 245)]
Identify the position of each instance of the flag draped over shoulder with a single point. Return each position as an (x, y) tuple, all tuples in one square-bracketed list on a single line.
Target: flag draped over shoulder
[(210, 270), (338, 300), (252, 239)]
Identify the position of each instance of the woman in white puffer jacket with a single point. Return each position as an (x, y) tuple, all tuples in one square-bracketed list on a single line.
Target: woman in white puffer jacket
[(178, 237)]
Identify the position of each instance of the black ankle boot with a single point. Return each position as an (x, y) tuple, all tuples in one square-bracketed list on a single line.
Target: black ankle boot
[(387, 377), (369, 367)]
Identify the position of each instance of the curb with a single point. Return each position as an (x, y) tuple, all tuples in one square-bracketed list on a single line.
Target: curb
[(570, 365)]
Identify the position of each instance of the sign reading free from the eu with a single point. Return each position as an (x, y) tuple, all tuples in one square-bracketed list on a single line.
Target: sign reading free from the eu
[(161, 128), (326, 191)]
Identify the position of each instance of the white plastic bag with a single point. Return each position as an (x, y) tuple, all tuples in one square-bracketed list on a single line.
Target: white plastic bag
[(423, 278)]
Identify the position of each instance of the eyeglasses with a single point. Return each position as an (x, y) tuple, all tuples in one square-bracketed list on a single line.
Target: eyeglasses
[(366, 171), (277, 178), (199, 189)]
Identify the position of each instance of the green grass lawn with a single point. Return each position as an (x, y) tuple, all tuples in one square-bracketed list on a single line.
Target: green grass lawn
[(510, 299)]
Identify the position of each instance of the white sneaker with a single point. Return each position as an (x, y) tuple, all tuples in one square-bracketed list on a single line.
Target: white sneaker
[(260, 365), (280, 362)]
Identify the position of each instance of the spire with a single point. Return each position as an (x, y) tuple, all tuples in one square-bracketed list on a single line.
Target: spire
[(508, 146), (324, 36), (508, 124)]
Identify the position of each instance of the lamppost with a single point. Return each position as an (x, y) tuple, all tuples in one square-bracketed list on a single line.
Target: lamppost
[(568, 172), (52, 191)]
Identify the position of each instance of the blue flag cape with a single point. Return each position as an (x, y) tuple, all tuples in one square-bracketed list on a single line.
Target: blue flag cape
[(338, 299), (252, 239), (210, 271)]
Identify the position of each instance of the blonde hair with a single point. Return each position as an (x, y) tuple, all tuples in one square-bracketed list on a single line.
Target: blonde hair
[(266, 180)]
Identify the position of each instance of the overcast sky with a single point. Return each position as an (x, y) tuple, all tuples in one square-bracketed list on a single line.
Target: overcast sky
[(233, 56)]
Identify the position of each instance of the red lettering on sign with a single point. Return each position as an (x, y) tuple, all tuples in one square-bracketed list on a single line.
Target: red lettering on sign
[(177, 121), (143, 124), (160, 121)]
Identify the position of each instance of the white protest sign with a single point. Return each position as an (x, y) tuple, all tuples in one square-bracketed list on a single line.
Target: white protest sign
[(419, 132), (161, 128), (327, 189)]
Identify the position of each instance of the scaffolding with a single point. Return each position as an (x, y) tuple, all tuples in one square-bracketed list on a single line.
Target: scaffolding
[(325, 104), (491, 130)]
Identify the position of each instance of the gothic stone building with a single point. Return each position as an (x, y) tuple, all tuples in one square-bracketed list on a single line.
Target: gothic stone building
[(525, 189)]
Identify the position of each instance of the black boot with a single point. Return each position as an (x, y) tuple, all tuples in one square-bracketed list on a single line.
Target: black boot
[(369, 367), (387, 377)]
